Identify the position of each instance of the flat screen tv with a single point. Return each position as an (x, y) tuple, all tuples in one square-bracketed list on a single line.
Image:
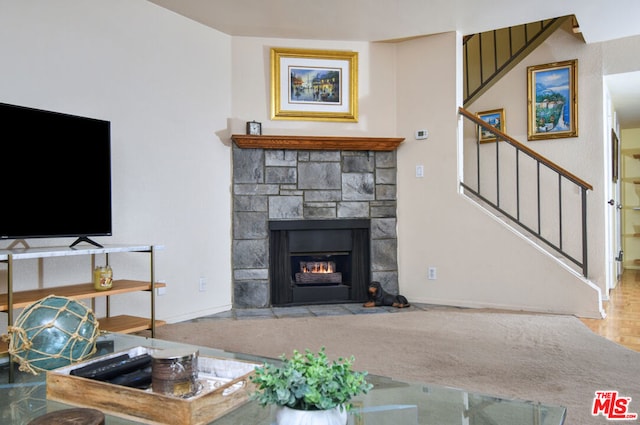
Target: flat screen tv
[(56, 171)]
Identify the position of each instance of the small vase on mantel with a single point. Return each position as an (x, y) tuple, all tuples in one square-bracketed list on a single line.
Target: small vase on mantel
[(288, 416)]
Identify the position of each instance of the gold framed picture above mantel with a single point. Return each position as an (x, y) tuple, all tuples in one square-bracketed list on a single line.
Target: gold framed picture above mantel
[(314, 85)]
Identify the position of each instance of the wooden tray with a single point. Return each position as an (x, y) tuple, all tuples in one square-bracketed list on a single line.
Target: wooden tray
[(225, 387)]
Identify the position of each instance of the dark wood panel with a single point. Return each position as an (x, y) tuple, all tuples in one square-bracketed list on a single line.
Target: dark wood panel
[(317, 142)]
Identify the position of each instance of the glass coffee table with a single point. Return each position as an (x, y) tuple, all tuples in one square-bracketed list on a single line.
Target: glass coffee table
[(23, 398)]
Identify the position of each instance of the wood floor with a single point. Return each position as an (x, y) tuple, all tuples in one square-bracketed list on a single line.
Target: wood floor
[(622, 324)]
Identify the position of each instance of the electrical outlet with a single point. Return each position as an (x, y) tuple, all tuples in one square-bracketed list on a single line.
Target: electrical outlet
[(432, 273), (202, 284)]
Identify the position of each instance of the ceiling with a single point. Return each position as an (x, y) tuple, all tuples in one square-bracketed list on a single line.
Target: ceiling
[(625, 94), (385, 20)]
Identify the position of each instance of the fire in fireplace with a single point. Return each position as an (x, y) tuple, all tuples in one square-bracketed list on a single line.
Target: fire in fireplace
[(321, 267), (317, 273)]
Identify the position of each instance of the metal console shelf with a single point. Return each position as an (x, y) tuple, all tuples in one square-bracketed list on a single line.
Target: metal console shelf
[(123, 323)]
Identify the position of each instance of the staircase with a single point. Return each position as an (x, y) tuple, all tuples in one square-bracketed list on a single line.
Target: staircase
[(526, 190), (491, 54), (540, 198)]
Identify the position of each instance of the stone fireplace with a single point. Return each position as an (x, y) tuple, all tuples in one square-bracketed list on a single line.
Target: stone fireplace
[(320, 204)]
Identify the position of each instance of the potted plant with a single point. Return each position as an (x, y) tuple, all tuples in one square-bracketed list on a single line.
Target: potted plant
[(309, 384)]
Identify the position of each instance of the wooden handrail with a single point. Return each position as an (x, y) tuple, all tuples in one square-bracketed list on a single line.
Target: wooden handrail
[(526, 149), (512, 212)]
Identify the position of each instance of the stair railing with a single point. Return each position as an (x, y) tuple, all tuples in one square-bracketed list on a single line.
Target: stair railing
[(489, 55), (518, 175)]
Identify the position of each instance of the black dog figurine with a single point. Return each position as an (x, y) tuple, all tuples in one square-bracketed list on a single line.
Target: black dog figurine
[(378, 297)]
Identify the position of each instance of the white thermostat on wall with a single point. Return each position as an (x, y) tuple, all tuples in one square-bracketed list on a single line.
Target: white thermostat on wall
[(421, 134)]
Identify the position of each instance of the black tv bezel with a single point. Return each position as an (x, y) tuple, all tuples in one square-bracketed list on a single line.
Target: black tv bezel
[(107, 184)]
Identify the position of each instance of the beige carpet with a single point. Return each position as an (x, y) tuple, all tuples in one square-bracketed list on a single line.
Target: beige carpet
[(546, 358)]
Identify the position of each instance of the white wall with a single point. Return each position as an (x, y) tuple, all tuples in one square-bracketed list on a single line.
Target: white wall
[(479, 262), (402, 89), (252, 83), (630, 140), (620, 57), (587, 156), (164, 82), (175, 91), (583, 155)]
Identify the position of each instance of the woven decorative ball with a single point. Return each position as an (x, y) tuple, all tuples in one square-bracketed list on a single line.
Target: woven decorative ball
[(53, 332)]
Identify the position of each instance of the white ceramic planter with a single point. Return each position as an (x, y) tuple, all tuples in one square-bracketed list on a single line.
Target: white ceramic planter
[(288, 416)]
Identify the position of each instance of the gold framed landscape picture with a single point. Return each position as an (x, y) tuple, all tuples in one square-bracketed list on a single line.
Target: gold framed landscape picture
[(552, 103), (314, 85), (496, 119)]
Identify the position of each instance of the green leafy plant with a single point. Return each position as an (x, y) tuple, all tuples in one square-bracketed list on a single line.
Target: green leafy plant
[(309, 382)]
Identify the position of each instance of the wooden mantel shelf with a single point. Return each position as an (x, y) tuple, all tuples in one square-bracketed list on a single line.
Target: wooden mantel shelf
[(317, 142)]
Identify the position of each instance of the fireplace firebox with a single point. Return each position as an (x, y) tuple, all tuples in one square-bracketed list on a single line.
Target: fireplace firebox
[(319, 261)]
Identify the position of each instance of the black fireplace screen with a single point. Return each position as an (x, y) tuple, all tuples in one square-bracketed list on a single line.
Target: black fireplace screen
[(319, 261)]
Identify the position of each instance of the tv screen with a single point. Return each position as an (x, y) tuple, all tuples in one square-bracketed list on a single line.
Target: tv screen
[(57, 175)]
